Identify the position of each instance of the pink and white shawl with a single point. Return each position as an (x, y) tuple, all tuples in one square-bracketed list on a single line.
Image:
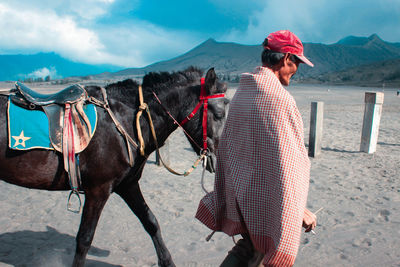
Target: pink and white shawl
[(263, 170)]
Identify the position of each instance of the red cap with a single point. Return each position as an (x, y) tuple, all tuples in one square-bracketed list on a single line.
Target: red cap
[(287, 42)]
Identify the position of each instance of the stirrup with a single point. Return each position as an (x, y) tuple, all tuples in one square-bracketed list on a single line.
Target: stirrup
[(69, 204)]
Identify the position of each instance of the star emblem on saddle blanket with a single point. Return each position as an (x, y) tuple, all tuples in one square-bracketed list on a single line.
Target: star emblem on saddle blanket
[(20, 140)]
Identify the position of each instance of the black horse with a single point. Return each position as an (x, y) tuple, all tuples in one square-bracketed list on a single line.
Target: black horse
[(104, 164)]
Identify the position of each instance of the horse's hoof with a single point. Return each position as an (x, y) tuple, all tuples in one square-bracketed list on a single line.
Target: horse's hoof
[(169, 263)]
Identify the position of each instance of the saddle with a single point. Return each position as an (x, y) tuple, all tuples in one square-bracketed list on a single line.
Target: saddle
[(71, 94), (70, 130)]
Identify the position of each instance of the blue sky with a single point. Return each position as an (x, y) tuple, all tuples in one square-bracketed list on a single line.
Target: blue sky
[(135, 33)]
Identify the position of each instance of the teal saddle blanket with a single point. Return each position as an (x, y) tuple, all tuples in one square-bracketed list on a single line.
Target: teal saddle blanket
[(29, 129)]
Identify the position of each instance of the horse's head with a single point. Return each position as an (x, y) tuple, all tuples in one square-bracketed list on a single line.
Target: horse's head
[(181, 95), (216, 117)]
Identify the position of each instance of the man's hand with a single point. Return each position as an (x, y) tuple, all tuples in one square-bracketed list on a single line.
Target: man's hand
[(309, 220)]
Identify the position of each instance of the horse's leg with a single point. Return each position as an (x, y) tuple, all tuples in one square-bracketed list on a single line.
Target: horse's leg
[(94, 204), (132, 195)]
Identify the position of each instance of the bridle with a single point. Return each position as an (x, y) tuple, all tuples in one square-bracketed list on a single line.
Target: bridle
[(203, 101)]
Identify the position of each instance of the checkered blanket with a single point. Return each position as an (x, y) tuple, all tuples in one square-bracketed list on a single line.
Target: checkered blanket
[(263, 170)]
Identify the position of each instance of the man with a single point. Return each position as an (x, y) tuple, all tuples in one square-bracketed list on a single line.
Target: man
[(263, 170)]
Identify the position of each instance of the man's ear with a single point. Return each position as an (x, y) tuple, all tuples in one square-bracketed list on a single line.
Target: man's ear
[(282, 62), (286, 58)]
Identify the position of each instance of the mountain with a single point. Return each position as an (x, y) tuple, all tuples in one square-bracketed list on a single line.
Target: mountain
[(224, 57), (15, 67), (360, 41), (231, 59), (347, 53), (377, 74)]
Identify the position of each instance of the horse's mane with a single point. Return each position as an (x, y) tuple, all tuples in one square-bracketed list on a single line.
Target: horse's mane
[(158, 82), (123, 86), (161, 80)]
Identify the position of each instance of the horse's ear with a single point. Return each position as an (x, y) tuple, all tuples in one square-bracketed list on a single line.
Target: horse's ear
[(210, 80)]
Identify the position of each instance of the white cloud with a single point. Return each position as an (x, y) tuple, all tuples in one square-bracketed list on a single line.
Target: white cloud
[(139, 44), (105, 1), (85, 9), (47, 32), (43, 73), (90, 9), (293, 15), (130, 44)]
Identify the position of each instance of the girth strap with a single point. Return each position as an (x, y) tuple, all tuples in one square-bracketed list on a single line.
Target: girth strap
[(68, 149), (71, 162)]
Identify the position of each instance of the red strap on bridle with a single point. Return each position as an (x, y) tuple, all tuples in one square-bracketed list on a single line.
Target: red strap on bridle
[(203, 100)]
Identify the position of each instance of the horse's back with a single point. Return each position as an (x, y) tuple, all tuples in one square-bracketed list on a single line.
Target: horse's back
[(38, 168)]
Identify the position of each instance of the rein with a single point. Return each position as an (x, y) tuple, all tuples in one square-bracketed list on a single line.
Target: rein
[(203, 100), (143, 106)]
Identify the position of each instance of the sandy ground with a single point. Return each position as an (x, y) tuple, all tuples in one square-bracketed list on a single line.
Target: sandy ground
[(360, 194)]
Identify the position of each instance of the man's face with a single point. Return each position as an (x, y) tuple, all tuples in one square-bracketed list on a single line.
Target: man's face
[(288, 69)]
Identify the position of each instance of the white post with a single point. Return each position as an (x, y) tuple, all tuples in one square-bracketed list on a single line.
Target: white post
[(372, 117), (316, 122)]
